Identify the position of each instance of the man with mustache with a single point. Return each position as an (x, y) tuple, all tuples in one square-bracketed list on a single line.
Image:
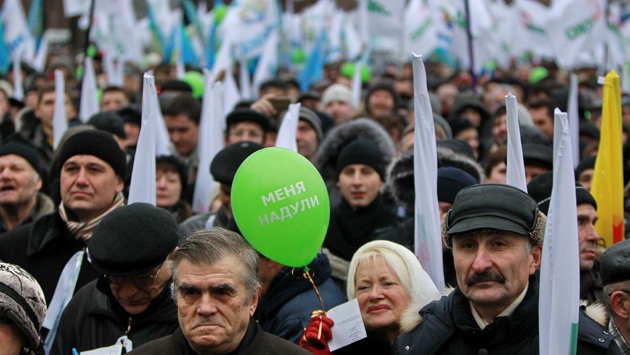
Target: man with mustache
[(591, 287), (215, 286), (496, 232)]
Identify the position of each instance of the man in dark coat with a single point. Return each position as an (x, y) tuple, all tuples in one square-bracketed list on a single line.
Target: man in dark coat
[(615, 271), (497, 249), (361, 211), (288, 298), (591, 287), (130, 304), (92, 169), (216, 288)]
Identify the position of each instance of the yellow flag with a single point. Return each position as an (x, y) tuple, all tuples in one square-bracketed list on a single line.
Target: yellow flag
[(608, 178)]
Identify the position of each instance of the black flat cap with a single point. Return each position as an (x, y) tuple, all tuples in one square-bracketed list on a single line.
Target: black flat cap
[(16, 144), (226, 162), (247, 115), (615, 263), (492, 206), (540, 189), (538, 155), (132, 240)]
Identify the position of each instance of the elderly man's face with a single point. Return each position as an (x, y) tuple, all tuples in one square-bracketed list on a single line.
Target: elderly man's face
[(88, 186), (245, 131), (213, 305), (306, 139), (19, 182), (136, 293), (493, 269)]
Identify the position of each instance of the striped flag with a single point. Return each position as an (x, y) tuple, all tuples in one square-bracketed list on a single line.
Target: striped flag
[(559, 300), (515, 165), (608, 177), (427, 232)]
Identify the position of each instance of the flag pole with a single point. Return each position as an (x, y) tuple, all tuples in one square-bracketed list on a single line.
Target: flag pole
[(89, 29), (471, 57)]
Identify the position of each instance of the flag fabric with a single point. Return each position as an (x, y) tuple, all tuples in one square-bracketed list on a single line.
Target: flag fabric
[(231, 95), (244, 81), (515, 166), (288, 128), (210, 141), (5, 55), (419, 29), (76, 7), (18, 87), (268, 62), (39, 60), (607, 185), (60, 121), (574, 119), (314, 68), (357, 84), (142, 187), (559, 304), (428, 240), (89, 99), (17, 35)]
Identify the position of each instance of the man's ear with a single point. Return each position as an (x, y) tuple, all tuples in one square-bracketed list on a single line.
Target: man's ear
[(171, 255), (536, 253), (254, 303), (619, 304)]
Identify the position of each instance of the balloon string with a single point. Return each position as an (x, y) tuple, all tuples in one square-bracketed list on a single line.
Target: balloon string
[(308, 276)]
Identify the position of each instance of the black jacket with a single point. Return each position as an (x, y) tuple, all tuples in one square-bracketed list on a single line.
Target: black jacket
[(94, 319), (448, 327), (255, 342), (285, 310), (43, 248)]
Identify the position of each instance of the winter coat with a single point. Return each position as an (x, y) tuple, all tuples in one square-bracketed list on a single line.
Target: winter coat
[(448, 327), (591, 287), (43, 248), (338, 137), (285, 310), (255, 342), (198, 222), (94, 319)]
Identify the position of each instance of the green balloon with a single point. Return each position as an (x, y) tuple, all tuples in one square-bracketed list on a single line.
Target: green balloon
[(280, 204), (195, 80)]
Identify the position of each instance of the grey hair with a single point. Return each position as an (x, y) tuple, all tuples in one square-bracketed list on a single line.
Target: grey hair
[(209, 246), (391, 258), (616, 286)]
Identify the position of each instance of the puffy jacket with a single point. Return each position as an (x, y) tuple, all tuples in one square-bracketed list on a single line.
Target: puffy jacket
[(94, 319)]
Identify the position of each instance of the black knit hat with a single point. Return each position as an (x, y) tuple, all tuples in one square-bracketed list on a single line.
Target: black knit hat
[(109, 122), (226, 162), (311, 118), (615, 263), (247, 115), (18, 145), (586, 164), (132, 240), (98, 143), (451, 181), (130, 114), (540, 189), (361, 151), (459, 124)]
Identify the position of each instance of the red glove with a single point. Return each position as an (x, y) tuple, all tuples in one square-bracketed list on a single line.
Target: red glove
[(317, 334)]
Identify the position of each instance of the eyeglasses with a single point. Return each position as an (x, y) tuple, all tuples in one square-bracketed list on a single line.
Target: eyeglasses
[(138, 280)]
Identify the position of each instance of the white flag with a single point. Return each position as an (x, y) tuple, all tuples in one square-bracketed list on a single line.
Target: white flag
[(420, 33), (244, 81), (515, 165), (17, 36), (142, 187), (574, 119), (89, 100), (76, 7), (18, 87), (210, 141), (428, 239), (268, 62), (559, 304), (231, 95), (39, 60), (357, 84), (60, 121), (288, 128)]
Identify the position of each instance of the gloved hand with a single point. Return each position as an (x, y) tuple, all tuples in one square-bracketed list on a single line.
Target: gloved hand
[(317, 334)]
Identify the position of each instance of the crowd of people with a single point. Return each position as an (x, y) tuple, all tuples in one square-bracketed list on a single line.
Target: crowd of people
[(81, 270)]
